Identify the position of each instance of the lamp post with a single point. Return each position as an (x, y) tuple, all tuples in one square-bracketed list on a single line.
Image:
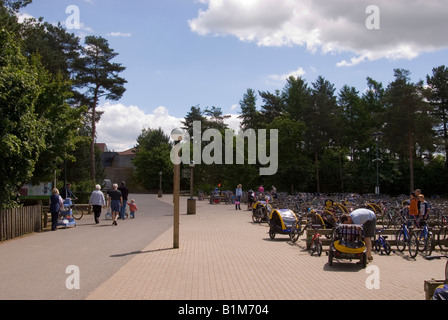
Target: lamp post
[(377, 136), (160, 184), (191, 203), (177, 136)]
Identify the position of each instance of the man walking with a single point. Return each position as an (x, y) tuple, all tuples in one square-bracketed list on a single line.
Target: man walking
[(124, 193), (116, 201)]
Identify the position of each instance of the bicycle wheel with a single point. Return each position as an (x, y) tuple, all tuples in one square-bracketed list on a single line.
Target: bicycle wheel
[(319, 248), (413, 245), (446, 271), (421, 240), (294, 233), (272, 233), (401, 241), (377, 246), (442, 239), (77, 213), (387, 248), (428, 244)]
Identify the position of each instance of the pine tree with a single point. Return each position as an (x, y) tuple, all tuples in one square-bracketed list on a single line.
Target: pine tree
[(99, 78)]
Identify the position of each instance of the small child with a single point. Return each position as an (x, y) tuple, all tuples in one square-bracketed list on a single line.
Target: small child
[(132, 208)]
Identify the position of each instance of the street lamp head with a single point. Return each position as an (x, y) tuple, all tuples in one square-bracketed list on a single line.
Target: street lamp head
[(192, 164), (160, 173), (377, 135), (177, 135)]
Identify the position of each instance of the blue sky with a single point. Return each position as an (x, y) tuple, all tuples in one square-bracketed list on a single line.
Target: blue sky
[(183, 53)]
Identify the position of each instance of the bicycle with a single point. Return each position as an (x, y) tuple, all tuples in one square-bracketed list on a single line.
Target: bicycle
[(77, 213), (442, 235), (425, 239), (407, 238), (381, 243), (316, 244)]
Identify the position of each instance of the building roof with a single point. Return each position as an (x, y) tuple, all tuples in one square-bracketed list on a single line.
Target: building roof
[(130, 152)]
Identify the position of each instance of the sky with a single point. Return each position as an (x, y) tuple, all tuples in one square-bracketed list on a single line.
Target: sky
[(184, 53)]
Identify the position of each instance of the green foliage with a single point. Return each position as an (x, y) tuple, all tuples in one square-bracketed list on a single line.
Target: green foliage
[(153, 157), (21, 132)]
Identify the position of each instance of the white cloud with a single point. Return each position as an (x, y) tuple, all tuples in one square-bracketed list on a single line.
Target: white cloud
[(282, 77), (408, 28), (121, 125), (119, 34)]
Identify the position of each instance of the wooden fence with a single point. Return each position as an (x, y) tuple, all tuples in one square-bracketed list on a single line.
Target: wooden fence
[(20, 221)]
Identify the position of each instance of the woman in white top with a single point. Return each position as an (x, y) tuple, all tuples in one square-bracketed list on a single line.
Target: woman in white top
[(97, 201)]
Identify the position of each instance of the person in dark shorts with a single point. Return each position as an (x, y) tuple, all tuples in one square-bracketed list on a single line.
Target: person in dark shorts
[(116, 201), (367, 219)]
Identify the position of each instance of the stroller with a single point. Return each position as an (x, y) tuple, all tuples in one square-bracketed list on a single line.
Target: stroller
[(348, 243), (281, 222), (66, 218)]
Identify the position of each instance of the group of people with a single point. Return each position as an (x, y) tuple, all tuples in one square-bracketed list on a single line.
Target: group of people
[(117, 199), (418, 208), (251, 196)]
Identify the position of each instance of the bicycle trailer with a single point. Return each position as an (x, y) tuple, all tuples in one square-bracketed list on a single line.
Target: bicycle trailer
[(348, 243)]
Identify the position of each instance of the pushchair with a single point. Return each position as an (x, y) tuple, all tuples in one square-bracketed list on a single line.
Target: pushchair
[(66, 218), (281, 222), (348, 243)]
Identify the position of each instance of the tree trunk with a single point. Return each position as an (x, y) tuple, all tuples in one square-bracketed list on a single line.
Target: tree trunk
[(92, 145), (411, 162), (316, 161)]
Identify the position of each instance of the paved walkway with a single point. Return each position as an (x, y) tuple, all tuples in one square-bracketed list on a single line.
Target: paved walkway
[(223, 255)]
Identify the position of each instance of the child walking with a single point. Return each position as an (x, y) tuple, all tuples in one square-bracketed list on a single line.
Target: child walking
[(132, 208)]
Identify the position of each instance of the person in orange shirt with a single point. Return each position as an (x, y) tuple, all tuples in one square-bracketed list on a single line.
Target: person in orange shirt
[(413, 208)]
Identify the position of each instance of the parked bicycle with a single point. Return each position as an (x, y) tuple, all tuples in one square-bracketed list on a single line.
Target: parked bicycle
[(381, 243), (425, 239), (442, 235), (316, 244), (407, 238)]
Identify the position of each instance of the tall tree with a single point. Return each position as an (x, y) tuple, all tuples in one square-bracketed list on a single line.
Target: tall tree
[(408, 125), (194, 115), (320, 117), (250, 117), (438, 98), (296, 96), (98, 78), (272, 107)]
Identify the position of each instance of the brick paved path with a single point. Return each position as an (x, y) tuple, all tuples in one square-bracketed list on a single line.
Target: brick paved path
[(223, 255)]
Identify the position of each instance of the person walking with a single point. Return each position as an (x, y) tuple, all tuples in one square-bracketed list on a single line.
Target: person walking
[(56, 203), (97, 202), (238, 195), (125, 193), (116, 201), (367, 219)]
